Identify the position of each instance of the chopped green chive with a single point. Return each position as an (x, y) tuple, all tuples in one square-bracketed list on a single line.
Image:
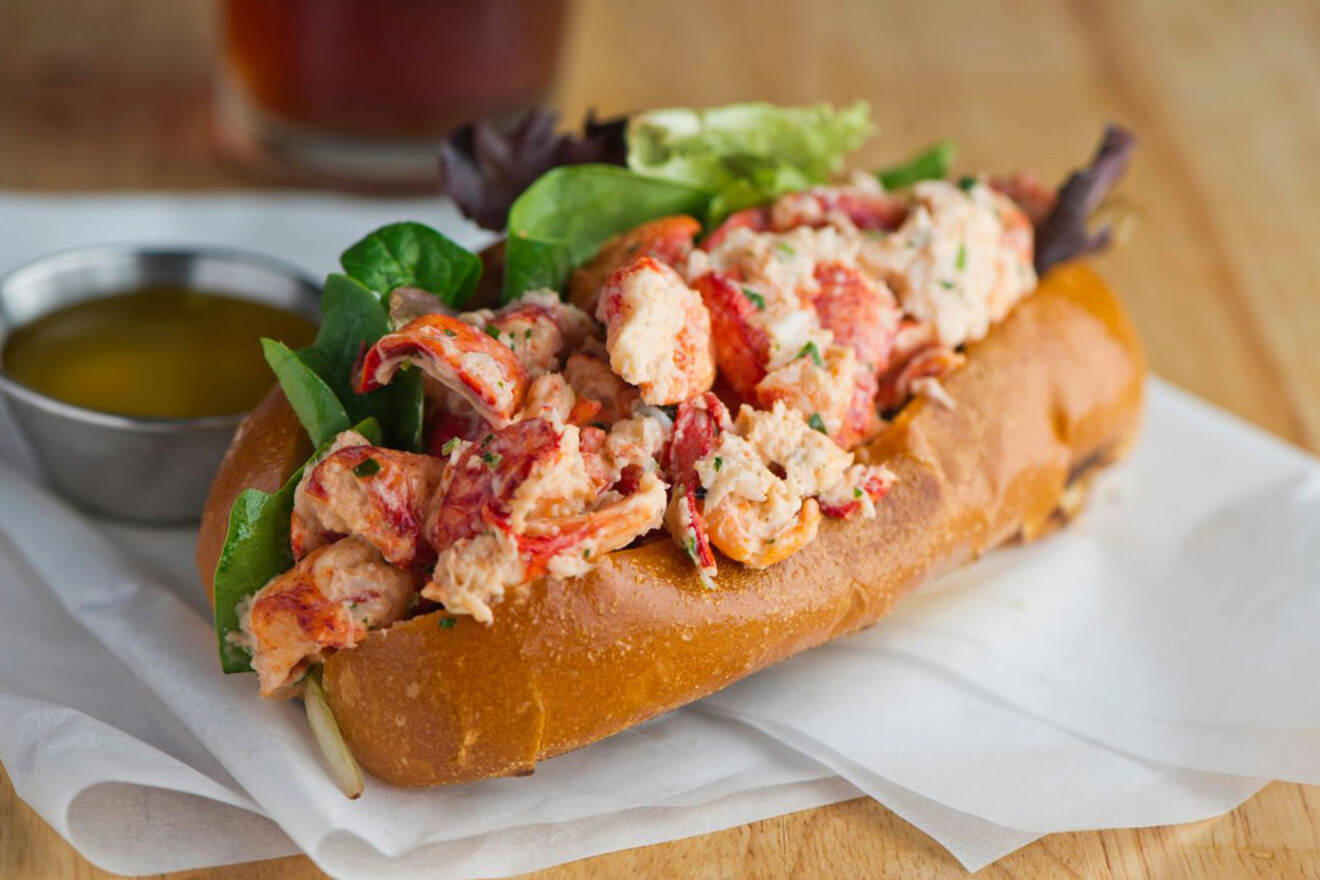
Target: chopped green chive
[(947, 285), (448, 622), (857, 493), (785, 249), (492, 458), (450, 445), (692, 547), (961, 261), (368, 468), (449, 332), (810, 350), (485, 441), (966, 182), (586, 554), (754, 298), (492, 332), (527, 334), (816, 423), (719, 463)]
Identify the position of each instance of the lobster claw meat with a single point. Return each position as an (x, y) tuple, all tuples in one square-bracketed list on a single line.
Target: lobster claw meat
[(666, 239), (742, 349), (485, 475), (327, 601), (375, 493), (468, 361)]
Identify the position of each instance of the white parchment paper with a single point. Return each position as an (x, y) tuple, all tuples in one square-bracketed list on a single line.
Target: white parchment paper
[(1150, 665)]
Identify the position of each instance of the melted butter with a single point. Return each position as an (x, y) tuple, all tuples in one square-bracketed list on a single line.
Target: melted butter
[(165, 352)]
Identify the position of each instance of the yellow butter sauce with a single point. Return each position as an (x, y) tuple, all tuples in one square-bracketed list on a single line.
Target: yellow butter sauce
[(165, 352)]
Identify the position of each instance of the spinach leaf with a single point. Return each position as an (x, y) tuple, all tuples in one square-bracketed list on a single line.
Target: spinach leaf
[(352, 318), (562, 218), (413, 255), (403, 403), (930, 164), (257, 549), (317, 407)]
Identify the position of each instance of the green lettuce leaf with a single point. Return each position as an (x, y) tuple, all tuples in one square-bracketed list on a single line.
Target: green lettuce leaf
[(413, 255), (745, 154), (256, 549), (561, 219), (930, 164)]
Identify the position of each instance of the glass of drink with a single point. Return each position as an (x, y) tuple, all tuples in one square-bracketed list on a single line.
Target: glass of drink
[(359, 93)]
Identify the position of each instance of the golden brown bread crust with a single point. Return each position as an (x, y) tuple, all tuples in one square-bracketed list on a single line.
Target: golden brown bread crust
[(269, 445), (1056, 387)]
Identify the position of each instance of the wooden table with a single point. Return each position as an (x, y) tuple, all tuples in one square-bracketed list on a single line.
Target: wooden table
[(99, 94)]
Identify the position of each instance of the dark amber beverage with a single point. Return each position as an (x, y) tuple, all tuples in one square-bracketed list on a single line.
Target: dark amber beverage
[(364, 89)]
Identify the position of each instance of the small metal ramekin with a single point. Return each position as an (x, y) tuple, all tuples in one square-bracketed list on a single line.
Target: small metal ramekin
[(151, 470)]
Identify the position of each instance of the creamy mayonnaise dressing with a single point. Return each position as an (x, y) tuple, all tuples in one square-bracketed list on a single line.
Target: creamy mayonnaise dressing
[(960, 260), (805, 386)]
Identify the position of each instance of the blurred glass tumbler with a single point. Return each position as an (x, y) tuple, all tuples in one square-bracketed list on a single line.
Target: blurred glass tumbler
[(358, 93)]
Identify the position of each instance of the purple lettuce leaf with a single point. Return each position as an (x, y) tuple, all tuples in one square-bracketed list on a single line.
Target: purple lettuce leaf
[(485, 165), (1064, 234)]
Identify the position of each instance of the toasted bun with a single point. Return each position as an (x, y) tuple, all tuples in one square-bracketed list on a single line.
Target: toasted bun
[(270, 444), (1053, 391)]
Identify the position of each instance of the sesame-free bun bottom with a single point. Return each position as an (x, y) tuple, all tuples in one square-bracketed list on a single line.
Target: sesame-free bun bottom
[(1052, 393)]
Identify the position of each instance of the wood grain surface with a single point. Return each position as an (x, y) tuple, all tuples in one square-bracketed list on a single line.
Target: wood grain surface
[(99, 94)]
